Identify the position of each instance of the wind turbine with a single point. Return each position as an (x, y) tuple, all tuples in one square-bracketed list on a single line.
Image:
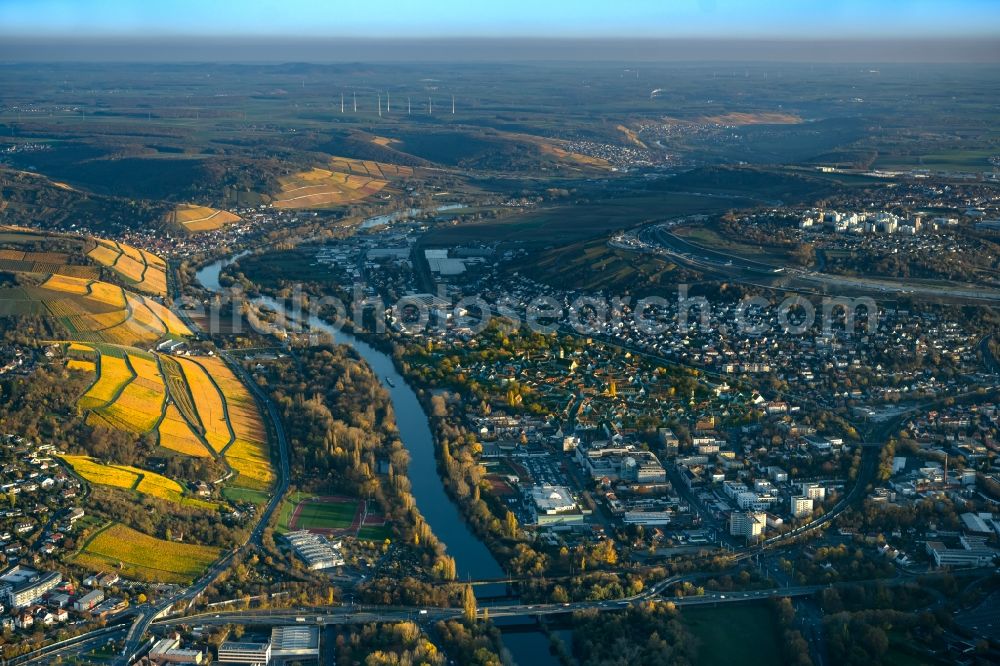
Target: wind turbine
[(341, 102), (407, 106), (452, 105), (355, 101), (380, 105)]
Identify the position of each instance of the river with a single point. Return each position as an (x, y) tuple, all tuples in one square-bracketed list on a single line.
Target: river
[(389, 218), (472, 558)]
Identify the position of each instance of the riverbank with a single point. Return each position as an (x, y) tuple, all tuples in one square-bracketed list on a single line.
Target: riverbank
[(472, 558)]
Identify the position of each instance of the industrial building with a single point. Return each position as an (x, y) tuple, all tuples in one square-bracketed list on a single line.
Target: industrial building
[(315, 550)]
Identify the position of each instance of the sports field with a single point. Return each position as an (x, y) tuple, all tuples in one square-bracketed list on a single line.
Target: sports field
[(324, 513), (333, 516)]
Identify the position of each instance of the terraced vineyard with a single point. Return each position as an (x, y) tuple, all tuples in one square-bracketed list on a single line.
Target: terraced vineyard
[(370, 168), (195, 405), (194, 218), (248, 453), (18, 261), (142, 270), (211, 407), (139, 405), (94, 311), (132, 478), (346, 181)]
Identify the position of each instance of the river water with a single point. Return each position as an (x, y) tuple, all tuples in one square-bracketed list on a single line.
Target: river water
[(473, 559), (389, 218)]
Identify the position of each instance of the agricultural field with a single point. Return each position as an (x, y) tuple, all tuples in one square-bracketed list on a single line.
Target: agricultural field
[(18, 261), (194, 218), (143, 557), (116, 476), (176, 434), (141, 392), (81, 365), (138, 406), (93, 311), (248, 453), (133, 478), (196, 406), (319, 188), (138, 268), (113, 373), (209, 405), (346, 181), (371, 168)]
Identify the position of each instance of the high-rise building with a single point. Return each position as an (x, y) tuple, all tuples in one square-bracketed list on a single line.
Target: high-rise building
[(801, 506), (747, 524)]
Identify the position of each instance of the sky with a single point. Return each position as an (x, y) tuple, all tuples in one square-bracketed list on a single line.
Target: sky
[(415, 19)]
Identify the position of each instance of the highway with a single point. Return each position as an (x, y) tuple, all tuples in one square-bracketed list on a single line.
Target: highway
[(360, 614), (658, 239)]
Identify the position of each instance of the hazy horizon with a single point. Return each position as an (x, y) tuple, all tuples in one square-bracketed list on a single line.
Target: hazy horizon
[(514, 49)]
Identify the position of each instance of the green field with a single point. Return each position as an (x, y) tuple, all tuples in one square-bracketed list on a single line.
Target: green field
[(287, 506), (326, 515), (244, 495), (713, 240), (375, 533), (565, 223), (715, 629)]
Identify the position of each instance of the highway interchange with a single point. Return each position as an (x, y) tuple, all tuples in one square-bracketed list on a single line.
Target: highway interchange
[(658, 239)]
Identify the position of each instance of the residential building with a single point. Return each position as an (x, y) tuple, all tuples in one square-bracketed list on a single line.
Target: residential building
[(801, 506), (21, 586), (813, 491), (747, 524)]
